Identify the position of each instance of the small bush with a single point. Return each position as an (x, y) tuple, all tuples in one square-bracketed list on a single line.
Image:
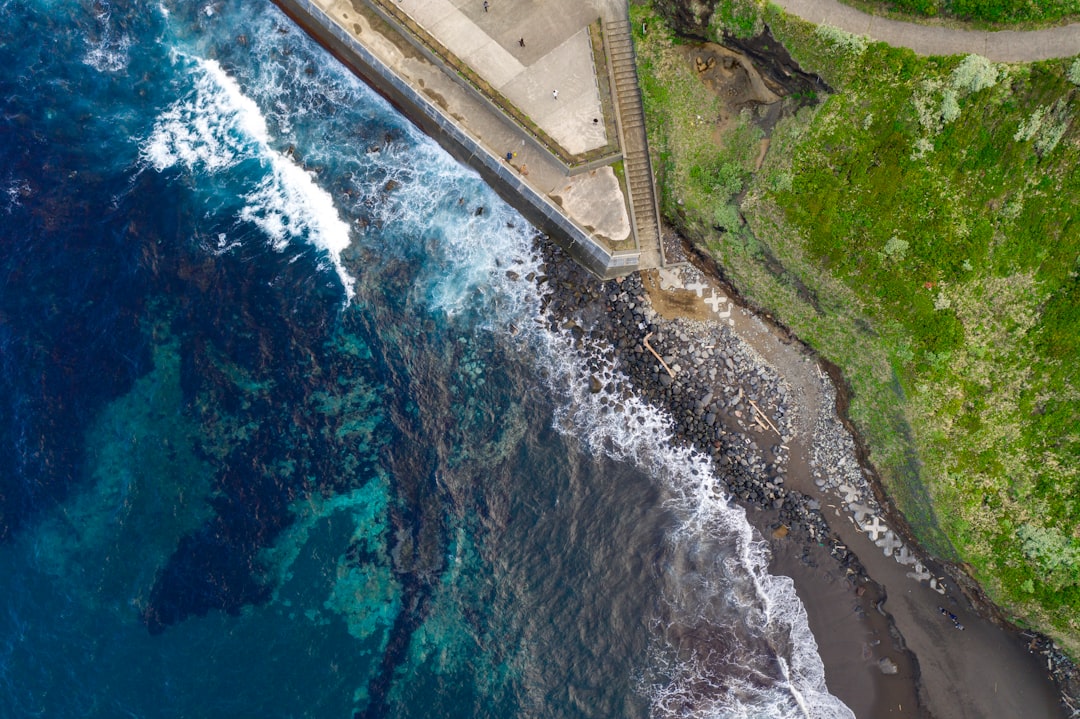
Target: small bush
[(1045, 126), (1030, 126), (842, 41), (922, 146), (896, 249), (929, 8), (1055, 554), (1051, 135), (1073, 73), (974, 73), (927, 106), (950, 107), (726, 217)]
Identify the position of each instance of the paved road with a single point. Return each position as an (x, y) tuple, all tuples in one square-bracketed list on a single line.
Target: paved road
[(999, 46)]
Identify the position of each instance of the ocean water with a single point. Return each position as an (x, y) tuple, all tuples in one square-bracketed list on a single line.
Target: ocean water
[(283, 432)]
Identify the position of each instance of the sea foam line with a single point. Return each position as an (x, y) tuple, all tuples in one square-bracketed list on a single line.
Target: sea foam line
[(216, 127), (640, 435), (473, 263)]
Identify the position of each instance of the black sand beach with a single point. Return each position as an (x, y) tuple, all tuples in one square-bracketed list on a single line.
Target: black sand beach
[(887, 648)]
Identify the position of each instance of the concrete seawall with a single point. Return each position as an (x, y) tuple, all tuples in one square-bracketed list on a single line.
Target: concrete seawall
[(455, 139)]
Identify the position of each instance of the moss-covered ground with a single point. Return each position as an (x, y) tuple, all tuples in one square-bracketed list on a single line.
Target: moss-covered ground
[(919, 228)]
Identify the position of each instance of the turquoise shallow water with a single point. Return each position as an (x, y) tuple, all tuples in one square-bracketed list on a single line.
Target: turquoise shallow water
[(283, 436)]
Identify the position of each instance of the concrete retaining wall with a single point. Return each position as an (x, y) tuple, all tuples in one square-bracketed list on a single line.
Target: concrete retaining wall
[(536, 208)]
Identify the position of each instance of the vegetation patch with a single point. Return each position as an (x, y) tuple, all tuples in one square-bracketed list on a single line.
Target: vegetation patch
[(982, 12), (919, 229), (705, 153)]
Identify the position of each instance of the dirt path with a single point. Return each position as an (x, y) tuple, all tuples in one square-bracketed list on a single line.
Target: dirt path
[(999, 46)]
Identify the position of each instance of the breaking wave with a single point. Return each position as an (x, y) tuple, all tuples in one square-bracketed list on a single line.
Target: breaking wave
[(215, 128)]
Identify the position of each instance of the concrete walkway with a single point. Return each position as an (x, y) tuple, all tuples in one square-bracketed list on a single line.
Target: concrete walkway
[(999, 46)]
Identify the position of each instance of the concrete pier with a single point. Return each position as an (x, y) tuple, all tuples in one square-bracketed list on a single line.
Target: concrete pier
[(523, 93)]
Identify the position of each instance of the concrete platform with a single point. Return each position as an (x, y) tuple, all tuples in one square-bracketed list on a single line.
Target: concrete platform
[(585, 208)]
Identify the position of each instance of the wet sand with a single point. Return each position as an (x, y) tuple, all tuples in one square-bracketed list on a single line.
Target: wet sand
[(852, 636)]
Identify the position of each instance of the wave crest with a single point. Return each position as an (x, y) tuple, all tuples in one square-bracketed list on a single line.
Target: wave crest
[(214, 128)]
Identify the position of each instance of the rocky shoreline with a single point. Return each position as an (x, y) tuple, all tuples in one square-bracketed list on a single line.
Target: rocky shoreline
[(730, 403), (726, 402)]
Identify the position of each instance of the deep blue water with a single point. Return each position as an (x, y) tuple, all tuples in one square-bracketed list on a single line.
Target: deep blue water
[(281, 436)]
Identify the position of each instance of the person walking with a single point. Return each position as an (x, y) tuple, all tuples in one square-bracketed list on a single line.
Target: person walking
[(485, 5), (554, 94), (521, 42)]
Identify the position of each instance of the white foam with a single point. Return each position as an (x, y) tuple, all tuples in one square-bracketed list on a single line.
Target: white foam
[(289, 205), (466, 256), (215, 127), (15, 191), (794, 684), (639, 435), (211, 129), (108, 52)]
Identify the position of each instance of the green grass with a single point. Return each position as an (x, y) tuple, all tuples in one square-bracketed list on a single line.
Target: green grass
[(981, 12), (698, 177), (919, 229)]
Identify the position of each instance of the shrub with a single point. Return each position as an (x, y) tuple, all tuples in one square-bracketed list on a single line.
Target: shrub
[(974, 73), (950, 107), (896, 249), (1046, 127), (1030, 126), (1073, 74), (842, 41), (726, 217), (1054, 553), (922, 146)]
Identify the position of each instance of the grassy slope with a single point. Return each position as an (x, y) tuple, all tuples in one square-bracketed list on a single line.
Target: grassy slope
[(936, 262)]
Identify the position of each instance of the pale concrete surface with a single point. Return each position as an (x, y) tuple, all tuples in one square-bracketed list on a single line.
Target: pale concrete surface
[(999, 46), (568, 69), (557, 56), (578, 197)]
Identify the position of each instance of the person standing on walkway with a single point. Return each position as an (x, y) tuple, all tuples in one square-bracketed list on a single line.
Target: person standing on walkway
[(554, 94), (485, 5), (521, 42)]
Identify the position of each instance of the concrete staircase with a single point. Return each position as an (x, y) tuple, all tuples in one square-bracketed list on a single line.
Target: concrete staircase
[(644, 210)]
